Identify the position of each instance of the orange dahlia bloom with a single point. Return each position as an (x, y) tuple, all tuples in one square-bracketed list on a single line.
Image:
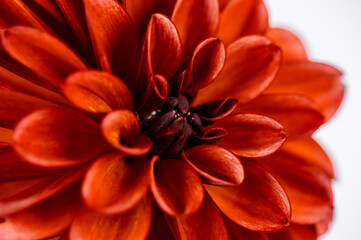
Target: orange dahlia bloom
[(160, 119)]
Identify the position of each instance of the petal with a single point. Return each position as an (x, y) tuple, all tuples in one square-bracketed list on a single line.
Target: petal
[(44, 220), (97, 92), (251, 135), (251, 66), (46, 7), (320, 82), (159, 229), (15, 106), (298, 114), (237, 232), (217, 110), (294, 232), (307, 186), (176, 187), (195, 20), (58, 137), (215, 164), (292, 47), (6, 135), (115, 184), (114, 37), (121, 129), (258, 204), (207, 62), (257, 22), (133, 224), (42, 53), (206, 223)]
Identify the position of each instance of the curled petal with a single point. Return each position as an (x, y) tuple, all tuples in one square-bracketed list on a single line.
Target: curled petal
[(294, 232), (215, 164), (207, 62), (97, 92), (195, 20), (211, 135), (298, 114), (42, 53), (176, 187), (258, 204), (206, 223), (320, 82), (58, 137), (251, 135), (120, 128), (251, 66), (133, 224), (292, 47), (114, 184), (216, 110)]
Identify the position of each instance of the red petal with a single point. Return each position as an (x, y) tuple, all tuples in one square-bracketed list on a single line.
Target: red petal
[(42, 53), (6, 135), (259, 203), (251, 66), (115, 184), (318, 81), (215, 164), (294, 232), (15, 106), (176, 187), (195, 20), (44, 220), (159, 229), (292, 47), (121, 129), (133, 224), (97, 92), (48, 7), (251, 135), (237, 232), (307, 186), (206, 223), (217, 110), (298, 114), (58, 137), (207, 62), (114, 38)]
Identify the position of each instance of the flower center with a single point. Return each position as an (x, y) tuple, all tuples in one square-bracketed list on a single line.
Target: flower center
[(171, 127)]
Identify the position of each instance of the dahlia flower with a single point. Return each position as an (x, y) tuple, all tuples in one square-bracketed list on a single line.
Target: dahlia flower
[(160, 119)]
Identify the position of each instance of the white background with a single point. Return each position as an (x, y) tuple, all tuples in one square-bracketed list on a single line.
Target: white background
[(331, 31)]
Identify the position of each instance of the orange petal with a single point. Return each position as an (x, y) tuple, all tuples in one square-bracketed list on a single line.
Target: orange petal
[(42, 53), (176, 187), (44, 220), (251, 135), (115, 39), (97, 92), (307, 186), (237, 232), (195, 20), (298, 114), (207, 62), (292, 47), (133, 224), (206, 223), (215, 164), (58, 137), (320, 82), (257, 22), (258, 204), (251, 66), (115, 184), (121, 129), (294, 232)]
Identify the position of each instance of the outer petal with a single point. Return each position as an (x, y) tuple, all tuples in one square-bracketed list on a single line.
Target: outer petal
[(58, 137), (121, 129), (176, 187), (252, 64), (206, 223), (42, 53), (97, 92), (237, 232), (292, 47), (251, 135), (115, 184), (215, 164), (259, 203), (195, 20), (294, 232), (114, 38), (133, 224), (318, 81), (298, 114)]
